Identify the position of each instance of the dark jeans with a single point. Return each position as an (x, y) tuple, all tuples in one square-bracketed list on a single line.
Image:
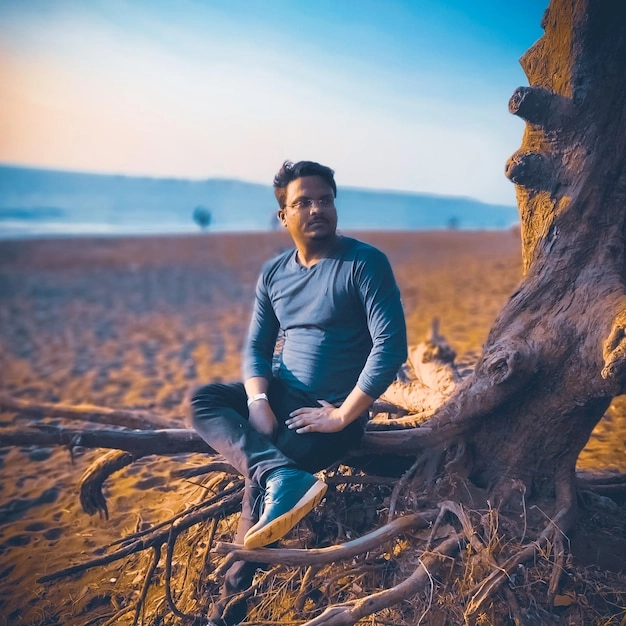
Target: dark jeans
[(220, 416)]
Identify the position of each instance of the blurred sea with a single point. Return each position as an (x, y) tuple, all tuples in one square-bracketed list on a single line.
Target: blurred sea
[(38, 202)]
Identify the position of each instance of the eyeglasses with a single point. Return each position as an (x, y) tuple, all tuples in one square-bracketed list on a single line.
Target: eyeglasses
[(309, 203)]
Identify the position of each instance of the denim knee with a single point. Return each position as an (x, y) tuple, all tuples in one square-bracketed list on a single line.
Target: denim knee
[(217, 396), (203, 398)]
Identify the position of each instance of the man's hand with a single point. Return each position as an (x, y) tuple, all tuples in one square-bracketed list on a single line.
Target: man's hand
[(324, 419), (262, 418)]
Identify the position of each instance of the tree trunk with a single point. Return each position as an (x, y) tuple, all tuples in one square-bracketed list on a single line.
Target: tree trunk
[(556, 353)]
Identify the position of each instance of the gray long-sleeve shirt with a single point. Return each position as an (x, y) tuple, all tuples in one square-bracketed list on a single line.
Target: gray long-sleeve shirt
[(342, 321)]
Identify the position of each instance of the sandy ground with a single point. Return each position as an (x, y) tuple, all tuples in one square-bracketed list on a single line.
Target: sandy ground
[(138, 323)]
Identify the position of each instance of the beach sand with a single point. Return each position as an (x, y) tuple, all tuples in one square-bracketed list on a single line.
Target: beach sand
[(138, 323)]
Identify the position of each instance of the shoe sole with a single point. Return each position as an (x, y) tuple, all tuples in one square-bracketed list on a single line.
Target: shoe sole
[(282, 525)]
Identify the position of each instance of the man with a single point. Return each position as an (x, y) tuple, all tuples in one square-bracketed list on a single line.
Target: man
[(333, 304)]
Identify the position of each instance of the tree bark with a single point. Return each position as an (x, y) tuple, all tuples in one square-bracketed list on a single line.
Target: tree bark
[(555, 356)]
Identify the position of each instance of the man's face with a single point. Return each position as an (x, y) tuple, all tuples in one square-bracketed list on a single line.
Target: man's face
[(309, 213)]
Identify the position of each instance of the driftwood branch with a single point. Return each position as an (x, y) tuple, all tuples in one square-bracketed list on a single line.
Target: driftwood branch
[(222, 505), (428, 378), (350, 613), (84, 412), (321, 556), (141, 442), (92, 499), (381, 437)]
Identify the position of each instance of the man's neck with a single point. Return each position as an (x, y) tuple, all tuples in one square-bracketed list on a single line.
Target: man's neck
[(314, 251)]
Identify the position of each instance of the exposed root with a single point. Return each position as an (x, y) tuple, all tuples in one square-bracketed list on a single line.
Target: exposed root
[(84, 412), (309, 574), (91, 498), (400, 486), (382, 409), (391, 570), (458, 510), (427, 379), (608, 484), (235, 488), (141, 602), (514, 607), (208, 468), (141, 442), (321, 556), (558, 550), (258, 584), (490, 584), (216, 506), (350, 613), (171, 543)]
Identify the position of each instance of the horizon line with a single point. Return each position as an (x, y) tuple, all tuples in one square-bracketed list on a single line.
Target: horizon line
[(382, 190)]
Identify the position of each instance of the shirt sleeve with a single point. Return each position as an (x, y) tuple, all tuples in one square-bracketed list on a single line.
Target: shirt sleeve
[(259, 347), (386, 323)]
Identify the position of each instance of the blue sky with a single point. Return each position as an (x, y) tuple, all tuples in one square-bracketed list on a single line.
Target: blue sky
[(407, 95)]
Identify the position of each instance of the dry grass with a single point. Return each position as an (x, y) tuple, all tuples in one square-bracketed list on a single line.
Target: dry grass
[(291, 595)]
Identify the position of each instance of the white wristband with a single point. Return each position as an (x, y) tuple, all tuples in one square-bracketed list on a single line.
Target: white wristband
[(257, 396)]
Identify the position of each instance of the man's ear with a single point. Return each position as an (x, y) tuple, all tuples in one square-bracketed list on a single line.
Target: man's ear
[(281, 217)]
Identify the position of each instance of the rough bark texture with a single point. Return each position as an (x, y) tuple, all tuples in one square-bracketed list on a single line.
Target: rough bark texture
[(555, 355)]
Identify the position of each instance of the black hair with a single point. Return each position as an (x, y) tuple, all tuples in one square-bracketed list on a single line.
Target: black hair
[(290, 171)]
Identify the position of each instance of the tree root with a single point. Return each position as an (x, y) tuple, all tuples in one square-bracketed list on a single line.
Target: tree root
[(213, 466), (484, 590), (167, 441), (321, 556), (405, 436), (141, 420), (258, 583), (608, 484), (350, 613), (305, 585), (141, 602), (427, 379), (91, 498), (171, 543), (482, 539), (221, 505), (400, 486)]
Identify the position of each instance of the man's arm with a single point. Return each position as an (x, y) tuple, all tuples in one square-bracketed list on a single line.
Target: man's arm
[(261, 416), (385, 321), (257, 360), (329, 418)]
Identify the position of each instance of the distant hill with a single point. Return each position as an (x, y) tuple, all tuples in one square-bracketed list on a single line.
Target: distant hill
[(40, 202)]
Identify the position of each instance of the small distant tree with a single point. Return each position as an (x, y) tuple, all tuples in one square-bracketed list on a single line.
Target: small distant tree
[(453, 223), (202, 217)]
